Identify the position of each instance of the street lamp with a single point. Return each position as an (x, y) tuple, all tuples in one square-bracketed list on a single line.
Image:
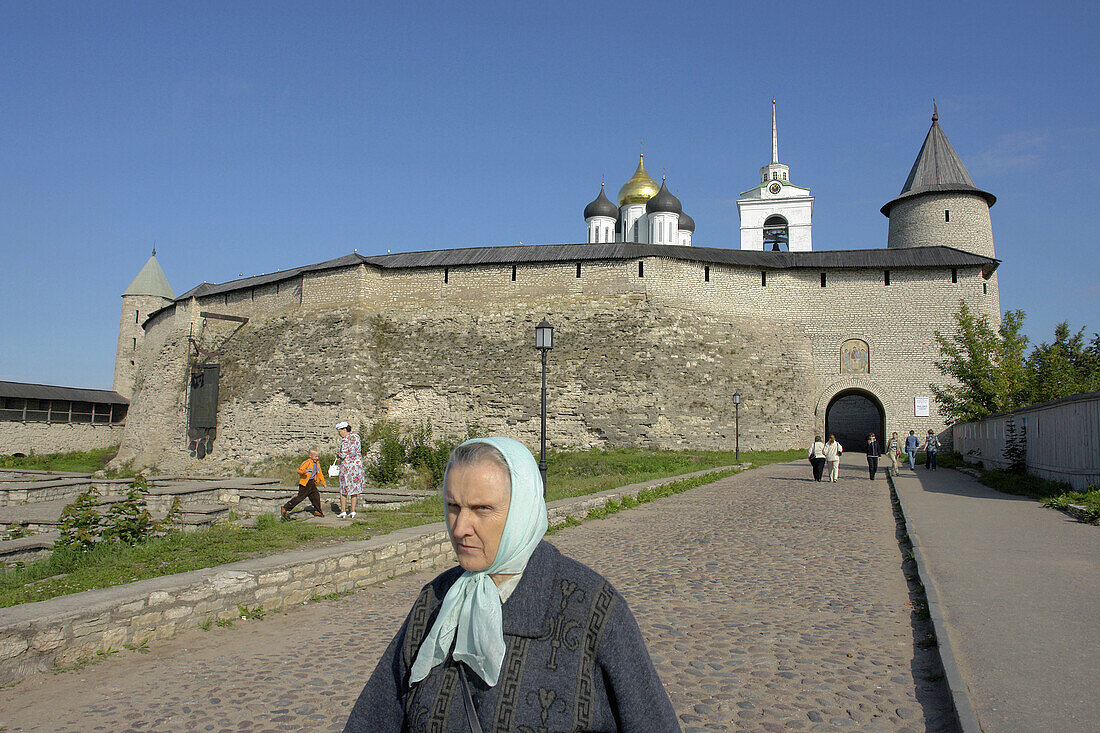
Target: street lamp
[(544, 341), (737, 418)]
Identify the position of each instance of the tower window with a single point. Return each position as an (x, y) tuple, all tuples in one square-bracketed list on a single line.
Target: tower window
[(446, 275), (706, 273), (635, 230), (513, 273), (954, 274), (985, 288), (763, 278), (946, 215), (135, 316), (641, 269), (885, 277), (133, 347), (823, 279), (578, 269)]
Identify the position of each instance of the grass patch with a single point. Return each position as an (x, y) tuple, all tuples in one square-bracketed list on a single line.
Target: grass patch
[(1023, 485), (1089, 499), (646, 495), (69, 570), (82, 462)]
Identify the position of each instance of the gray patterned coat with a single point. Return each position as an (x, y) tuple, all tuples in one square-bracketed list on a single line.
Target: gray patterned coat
[(575, 661)]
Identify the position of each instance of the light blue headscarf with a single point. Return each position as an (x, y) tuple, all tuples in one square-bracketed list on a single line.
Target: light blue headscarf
[(471, 612)]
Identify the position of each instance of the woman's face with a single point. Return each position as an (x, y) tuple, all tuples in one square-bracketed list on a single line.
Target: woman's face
[(477, 498)]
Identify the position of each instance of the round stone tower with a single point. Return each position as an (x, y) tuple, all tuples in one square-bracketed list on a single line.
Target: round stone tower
[(148, 292), (939, 204)]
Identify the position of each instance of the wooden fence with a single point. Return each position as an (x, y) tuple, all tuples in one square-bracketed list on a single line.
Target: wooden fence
[(1063, 439)]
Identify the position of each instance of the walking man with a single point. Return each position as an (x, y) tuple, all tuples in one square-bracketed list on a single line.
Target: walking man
[(911, 444)]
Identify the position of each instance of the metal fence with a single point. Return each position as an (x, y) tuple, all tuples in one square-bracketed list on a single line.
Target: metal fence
[(1062, 438)]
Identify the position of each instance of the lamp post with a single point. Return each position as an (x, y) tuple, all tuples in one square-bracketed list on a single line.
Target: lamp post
[(737, 419), (544, 341)]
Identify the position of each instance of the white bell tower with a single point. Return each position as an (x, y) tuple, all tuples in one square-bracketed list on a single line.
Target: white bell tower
[(776, 215)]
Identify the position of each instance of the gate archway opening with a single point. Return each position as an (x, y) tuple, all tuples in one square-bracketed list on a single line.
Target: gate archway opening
[(851, 415)]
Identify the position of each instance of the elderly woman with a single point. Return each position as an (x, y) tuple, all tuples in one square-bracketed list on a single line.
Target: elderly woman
[(352, 478), (519, 637)]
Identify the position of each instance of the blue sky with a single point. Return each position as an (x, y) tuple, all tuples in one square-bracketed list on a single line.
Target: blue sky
[(253, 137)]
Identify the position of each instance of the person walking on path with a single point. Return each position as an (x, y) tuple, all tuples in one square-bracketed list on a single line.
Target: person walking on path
[(892, 450), (911, 444), (817, 457), (309, 473), (873, 454), (931, 448), (352, 477), (832, 458)]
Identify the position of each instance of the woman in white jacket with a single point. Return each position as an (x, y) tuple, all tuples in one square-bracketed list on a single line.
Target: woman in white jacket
[(832, 457), (817, 457)]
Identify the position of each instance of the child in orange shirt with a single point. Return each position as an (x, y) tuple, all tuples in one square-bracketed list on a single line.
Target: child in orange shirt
[(309, 473)]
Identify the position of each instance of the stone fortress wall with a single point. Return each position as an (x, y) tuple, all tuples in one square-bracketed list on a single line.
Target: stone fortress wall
[(649, 360), (44, 438)]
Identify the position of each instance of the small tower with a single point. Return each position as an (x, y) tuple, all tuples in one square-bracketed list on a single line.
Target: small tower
[(663, 216), (601, 216), (632, 199), (148, 292), (776, 215), (939, 203), (686, 229)]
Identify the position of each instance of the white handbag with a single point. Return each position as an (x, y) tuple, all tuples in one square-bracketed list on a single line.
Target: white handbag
[(334, 470)]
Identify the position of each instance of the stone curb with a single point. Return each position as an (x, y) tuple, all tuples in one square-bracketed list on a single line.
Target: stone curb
[(64, 630), (960, 692)]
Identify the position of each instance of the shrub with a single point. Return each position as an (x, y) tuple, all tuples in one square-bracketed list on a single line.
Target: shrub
[(129, 521), (80, 523), (386, 469), (174, 518)]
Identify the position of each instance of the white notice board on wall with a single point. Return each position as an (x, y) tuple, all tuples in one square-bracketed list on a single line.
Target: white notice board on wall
[(920, 406)]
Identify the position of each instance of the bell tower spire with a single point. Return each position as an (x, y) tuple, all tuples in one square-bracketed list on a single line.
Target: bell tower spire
[(775, 137)]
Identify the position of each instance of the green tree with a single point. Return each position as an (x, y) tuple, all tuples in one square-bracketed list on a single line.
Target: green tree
[(985, 367), (1064, 367)]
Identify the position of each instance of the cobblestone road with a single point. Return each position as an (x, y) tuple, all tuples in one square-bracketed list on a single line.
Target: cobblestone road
[(769, 603)]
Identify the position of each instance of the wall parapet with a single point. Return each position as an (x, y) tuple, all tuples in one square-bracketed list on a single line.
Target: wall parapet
[(61, 631)]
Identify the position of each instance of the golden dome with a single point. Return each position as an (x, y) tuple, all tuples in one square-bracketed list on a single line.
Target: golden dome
[(640, 188)]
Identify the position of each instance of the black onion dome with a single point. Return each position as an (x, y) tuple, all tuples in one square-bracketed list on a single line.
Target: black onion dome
[(663, 201), (686, 223), (602, 206)]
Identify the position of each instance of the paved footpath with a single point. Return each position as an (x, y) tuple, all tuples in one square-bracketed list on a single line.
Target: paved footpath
[(1018, 588), (769, 602)]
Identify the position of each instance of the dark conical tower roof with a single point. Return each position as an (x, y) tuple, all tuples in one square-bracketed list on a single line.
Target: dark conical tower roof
[(602, 206), (663, 201), (937, 169)]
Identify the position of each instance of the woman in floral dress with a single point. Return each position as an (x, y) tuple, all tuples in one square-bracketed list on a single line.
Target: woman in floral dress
[(352, 478)]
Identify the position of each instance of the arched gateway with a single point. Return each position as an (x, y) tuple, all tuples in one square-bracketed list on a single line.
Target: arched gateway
[(851, 415)]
